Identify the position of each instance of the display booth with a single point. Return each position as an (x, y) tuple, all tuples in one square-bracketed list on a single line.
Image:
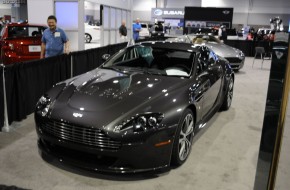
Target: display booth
[(172, 18), (206, 17)]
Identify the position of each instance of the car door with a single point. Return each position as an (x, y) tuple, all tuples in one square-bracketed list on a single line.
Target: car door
[(213, 83)]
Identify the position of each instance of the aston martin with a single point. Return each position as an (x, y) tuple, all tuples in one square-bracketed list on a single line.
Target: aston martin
[(139, 111)]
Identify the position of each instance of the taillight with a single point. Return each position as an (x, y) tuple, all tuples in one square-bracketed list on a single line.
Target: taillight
[(8, 46), (11, 46)]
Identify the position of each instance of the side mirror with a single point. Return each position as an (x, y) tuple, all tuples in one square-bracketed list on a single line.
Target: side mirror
[(105, 57)]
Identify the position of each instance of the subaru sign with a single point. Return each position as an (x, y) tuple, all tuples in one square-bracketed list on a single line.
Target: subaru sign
[(162, 13), (158, 12), (173, 12)]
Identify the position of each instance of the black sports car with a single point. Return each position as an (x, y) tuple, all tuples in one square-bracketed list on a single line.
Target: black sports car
[(137, 112)]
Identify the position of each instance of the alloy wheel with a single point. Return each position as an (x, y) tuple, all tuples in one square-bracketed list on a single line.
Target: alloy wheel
[(185, 137), (230, 92)]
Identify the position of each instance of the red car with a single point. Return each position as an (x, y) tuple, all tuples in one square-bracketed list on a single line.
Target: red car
[(20, 42)]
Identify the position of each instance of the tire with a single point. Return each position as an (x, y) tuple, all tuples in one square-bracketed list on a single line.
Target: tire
[(228, 96), (183, 139), (88, 38), (236, 70)]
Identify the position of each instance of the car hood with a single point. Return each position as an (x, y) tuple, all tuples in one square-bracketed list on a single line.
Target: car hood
[(103, 95), (223, 50)]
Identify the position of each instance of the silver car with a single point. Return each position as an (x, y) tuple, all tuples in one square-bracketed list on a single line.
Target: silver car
[(235, 56)]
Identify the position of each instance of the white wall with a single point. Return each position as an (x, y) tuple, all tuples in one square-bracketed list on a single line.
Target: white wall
[(271, 6), (139, 5), (257, 6), (142, 9), (182, 3), (124, 4), (240, 6), (39, 10), (92, 5), (5, 9)]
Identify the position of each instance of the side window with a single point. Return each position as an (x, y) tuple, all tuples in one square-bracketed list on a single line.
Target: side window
[(129, 54), (33, 31), (204, 57), (137, 56), (212, 58)]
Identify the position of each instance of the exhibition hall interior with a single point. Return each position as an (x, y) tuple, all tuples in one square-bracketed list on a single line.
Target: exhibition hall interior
[(144, 94)]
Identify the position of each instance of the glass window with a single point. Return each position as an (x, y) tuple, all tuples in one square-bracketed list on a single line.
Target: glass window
[(154, 60), (25, 31)]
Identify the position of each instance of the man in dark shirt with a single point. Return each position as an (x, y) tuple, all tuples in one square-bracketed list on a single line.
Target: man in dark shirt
[(224, 35), (123, 31)]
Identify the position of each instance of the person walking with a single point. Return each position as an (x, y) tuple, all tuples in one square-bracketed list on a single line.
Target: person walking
[(123, 31), (136, 29), (54, 40)]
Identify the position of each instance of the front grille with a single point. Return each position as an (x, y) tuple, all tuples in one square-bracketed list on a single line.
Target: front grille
[(79, 134), (233, 60)]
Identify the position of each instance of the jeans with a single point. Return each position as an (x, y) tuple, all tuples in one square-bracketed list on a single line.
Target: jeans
[(136, 36)]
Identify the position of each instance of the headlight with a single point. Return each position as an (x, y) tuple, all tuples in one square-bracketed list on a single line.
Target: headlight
[(241, 55), (140, 123), (43, 105)]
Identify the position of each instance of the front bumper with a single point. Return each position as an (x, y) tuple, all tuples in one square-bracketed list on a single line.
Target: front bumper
[(236, 63), (129, 157)]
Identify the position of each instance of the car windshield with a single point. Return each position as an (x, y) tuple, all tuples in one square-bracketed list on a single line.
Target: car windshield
[(156, 61), (25, 31), (199, 39)]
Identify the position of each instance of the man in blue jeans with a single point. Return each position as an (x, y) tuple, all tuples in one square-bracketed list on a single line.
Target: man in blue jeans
[(54, 40), (136, 29)]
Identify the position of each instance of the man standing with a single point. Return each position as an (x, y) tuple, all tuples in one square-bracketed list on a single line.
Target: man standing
[(123, 31), (224, 35), (54, 40), (136, 29)]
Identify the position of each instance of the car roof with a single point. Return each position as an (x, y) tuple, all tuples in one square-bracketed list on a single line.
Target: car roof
[(24, 24), (171, 45)]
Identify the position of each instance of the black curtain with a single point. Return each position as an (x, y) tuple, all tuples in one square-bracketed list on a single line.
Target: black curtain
[(245, 45), (26, 82), (84, 61), (112, 49)]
